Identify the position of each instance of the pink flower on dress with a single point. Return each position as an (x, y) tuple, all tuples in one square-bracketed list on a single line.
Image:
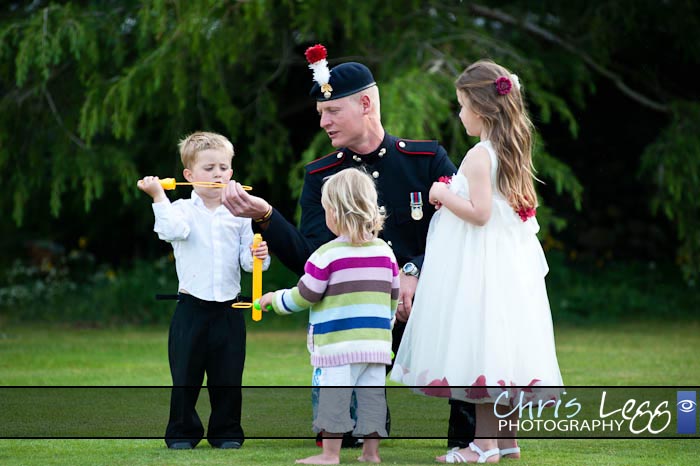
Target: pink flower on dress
[(533, 383), (480, 391), (442, 389), (526, 213)]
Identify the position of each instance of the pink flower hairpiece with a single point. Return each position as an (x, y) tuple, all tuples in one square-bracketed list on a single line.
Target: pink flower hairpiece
[(503, 85)]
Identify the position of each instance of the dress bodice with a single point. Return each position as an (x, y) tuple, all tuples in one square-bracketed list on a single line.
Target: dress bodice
[(460, 184), (501, 211)]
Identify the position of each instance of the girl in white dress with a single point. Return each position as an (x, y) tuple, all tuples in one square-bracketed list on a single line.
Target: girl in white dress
[(481, 327)]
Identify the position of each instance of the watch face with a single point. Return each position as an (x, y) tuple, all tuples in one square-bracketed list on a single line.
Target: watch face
[(410, 268)]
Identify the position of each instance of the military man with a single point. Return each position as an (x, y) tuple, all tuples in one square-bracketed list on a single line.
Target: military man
[(349, 108)]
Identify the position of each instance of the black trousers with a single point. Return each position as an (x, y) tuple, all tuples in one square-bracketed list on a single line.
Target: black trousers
[(206, 337), (462, 424)]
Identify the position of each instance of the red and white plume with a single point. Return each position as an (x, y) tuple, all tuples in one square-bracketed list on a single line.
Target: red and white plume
[(316, 56)]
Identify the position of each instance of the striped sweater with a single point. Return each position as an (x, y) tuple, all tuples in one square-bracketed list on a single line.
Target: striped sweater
[(352, 293)]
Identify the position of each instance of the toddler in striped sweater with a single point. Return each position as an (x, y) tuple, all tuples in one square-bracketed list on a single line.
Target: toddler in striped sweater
[(351, 287)]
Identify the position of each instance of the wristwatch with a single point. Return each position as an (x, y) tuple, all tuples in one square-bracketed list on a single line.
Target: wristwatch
[(409, 268)]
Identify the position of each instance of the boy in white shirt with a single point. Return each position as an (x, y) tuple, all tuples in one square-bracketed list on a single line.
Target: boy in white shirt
[(206, 334)]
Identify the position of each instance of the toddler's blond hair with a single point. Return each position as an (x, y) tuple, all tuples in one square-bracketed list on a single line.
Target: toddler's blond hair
[(199, 141), (351, 196)]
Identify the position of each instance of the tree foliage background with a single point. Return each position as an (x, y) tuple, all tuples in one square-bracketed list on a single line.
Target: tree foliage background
[(96, 94)]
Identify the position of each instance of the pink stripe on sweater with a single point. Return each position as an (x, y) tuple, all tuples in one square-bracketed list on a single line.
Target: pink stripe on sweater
[(347, 263), (317, 273), (314, 284), (370, 273)]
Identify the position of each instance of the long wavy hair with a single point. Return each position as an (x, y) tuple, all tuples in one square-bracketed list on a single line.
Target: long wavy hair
[(508, 127)]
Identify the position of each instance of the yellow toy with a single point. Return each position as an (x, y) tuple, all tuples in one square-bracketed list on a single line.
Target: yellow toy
[(169, 184), (257, 283)]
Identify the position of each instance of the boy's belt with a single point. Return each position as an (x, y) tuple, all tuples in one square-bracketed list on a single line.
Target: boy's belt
[(168, 297)]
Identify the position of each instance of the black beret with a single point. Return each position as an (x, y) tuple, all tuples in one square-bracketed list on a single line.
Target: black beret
[(346, 79)]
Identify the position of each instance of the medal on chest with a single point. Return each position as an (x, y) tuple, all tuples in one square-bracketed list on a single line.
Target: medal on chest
[(416, 206)]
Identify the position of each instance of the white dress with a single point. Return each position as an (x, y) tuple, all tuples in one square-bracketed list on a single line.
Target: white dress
[(481, 323)]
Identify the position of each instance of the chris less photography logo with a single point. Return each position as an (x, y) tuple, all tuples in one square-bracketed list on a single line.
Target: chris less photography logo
[(612, 411), (686, 408)]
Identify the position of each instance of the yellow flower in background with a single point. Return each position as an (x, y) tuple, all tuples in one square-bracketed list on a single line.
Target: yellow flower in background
[(111, 275), (82, 242)]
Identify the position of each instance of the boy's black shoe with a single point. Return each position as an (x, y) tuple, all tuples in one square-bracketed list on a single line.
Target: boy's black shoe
[(180, 446), (230, 445)]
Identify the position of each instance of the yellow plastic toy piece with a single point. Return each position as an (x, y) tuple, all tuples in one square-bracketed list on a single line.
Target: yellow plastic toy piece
[(169, 184), (241, 305), (257, 284), (257, 278)]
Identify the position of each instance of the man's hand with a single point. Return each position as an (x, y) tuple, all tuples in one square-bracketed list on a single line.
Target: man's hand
[(242, 204), (151, 186), (406, 293)]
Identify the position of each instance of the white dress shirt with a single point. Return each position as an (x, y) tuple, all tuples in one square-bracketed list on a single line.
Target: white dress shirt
[(208, 246)]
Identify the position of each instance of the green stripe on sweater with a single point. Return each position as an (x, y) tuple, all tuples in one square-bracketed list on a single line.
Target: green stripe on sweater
[(347, 336)]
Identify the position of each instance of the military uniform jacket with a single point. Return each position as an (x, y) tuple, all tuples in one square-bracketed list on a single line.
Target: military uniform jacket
[(401, 168)]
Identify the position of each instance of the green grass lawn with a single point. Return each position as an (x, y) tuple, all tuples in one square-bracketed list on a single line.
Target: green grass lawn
[(643, 354)]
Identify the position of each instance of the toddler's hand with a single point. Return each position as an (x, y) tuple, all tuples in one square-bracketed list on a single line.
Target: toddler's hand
[(151, 186), (261, 251), (266, 301)]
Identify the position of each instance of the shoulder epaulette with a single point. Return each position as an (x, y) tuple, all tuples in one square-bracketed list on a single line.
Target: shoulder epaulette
[(324, 163), (417, 147)]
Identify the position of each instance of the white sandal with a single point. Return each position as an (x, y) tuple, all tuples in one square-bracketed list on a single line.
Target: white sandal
[(454, 456), (483, 455), (509, 451)]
